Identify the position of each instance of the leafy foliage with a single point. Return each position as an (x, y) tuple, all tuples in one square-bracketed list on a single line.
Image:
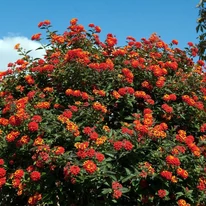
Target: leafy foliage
[(201, 27), (91, 123)]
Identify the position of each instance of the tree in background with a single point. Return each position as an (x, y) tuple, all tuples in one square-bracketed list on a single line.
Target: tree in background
[(201, 27)]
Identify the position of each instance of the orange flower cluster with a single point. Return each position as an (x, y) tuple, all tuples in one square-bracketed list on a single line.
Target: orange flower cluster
[(171, 160), (101, 93), (143, 95), (182, 173), (181, 136), (169, 97), (57, 39), (111, 40), (193, 148), (36, 37), (158, 131), (178, 150), (17, 180), (38, 141), (193, 102), (182, 202), (108, 65), (77, 93), (23, 141), (146, 170), (99, 107), (101, 140), (42, 105), (4, 121), (78, 55), (34, 199), (73, 128), (148, 118), (128, 75), (29, 79), (44, 23), (12, 136), (81, 145), (90, 166)]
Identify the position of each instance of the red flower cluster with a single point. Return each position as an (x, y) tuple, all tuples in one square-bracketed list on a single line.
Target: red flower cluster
[(99, 156), (19, 173), (128, 131), (126, 144), (126, 90), (169, 97), (202, 184), (117, 193), (166, 174), (58, 150), (36, 118), (2, 172), (35, 176), (167, 108), (33, 126), (162, 193), (74, 170), (1, 162), (44, 23)]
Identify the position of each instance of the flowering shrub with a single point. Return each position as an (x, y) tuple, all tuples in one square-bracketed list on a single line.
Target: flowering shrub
[(92, 123)]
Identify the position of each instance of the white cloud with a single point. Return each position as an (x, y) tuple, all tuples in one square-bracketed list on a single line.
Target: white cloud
[(9, 54)]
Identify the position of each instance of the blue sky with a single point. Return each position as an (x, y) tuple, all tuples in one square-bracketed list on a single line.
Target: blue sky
[(171, 19)]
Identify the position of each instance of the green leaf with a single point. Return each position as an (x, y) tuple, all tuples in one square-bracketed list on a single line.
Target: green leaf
[(106, 191), (197, 28), (39, 48), (179, 194), (125, 190), (128, 171), (127, 178), (77, 139), (129, 118)]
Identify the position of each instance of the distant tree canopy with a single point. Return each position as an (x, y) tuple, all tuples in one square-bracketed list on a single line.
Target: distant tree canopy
[(201, 27)]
